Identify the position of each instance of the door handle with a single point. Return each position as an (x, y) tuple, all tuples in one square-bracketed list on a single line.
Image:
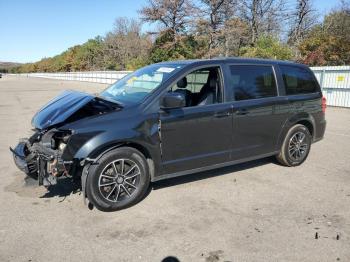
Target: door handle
[(242, 111), (222, 114)]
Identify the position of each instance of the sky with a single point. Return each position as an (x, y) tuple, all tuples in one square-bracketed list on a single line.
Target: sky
[(33, 29)]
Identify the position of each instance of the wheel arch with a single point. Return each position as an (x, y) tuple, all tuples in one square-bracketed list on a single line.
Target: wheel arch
[(100, 151), (309, 125), (95, 155), (304, 119)]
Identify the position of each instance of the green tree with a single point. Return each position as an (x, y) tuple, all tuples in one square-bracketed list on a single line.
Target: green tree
[(89, 56), (329, 43), (268, 47), (164, 49)]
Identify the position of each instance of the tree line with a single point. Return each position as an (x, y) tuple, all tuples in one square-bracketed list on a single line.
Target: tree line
[(190, 29)]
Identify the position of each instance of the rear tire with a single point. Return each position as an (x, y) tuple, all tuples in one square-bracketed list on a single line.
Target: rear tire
[(296, 146), (119, 179)]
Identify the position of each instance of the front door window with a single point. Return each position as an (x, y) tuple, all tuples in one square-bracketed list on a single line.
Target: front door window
[(200, 87)]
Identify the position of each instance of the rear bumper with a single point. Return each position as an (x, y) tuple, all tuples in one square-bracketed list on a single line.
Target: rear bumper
[(320, 130)]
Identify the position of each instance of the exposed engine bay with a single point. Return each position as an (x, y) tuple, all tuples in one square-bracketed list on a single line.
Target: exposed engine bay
[(42, 156)]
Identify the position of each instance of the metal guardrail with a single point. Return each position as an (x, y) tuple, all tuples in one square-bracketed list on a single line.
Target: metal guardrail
[(104, 77), (334, 81)]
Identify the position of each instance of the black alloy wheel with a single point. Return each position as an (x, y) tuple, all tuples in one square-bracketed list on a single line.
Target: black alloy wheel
[(296, 146), (118, 180)]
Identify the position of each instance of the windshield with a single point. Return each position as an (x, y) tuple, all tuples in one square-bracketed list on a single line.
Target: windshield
[(134, 87)]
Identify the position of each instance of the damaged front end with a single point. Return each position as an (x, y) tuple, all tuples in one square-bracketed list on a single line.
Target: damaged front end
[(40, 156), (49, 153)]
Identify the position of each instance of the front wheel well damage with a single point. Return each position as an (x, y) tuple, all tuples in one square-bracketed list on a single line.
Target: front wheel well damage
[(143, 150)]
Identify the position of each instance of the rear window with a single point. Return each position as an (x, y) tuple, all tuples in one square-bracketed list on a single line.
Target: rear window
[(252, 81), (298, 80)]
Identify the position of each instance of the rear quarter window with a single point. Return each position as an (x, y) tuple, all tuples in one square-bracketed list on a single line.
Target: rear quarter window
[(252, 81), (298, 80)]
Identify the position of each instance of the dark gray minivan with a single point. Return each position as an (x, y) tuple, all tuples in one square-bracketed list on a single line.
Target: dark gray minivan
[(171, 119)]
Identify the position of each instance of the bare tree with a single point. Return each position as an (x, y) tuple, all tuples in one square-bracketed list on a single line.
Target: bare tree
[(263, 16), (214, 12), (339, 23), (125, 43), (303, 19), (236, 35), (172, 15), (212, 24)]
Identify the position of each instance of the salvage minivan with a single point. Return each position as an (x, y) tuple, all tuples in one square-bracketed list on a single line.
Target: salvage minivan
[(171, 119)]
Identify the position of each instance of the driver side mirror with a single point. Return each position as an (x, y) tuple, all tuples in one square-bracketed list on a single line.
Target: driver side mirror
[(173, 100)]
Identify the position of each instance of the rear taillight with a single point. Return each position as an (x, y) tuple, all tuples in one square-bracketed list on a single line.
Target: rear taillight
[(324, 104)]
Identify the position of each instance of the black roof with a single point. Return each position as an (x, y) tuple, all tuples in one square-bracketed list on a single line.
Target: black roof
[(231, 60)]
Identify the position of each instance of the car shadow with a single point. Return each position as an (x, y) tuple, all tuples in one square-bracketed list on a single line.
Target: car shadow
[(64, 188), (211, 173), (170, 259), (68, 186)]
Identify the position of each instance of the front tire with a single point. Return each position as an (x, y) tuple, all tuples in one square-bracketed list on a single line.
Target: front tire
[(296, 146), (119, 179)]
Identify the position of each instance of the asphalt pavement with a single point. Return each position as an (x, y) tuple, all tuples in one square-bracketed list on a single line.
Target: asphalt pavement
[(257, 211)]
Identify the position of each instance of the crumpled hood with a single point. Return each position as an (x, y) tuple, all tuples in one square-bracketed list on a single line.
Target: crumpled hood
[(60, 108)]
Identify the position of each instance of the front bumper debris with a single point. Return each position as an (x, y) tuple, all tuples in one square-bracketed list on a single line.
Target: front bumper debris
[(40, 162), (24, 161)]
